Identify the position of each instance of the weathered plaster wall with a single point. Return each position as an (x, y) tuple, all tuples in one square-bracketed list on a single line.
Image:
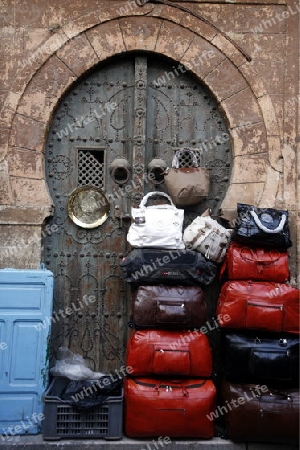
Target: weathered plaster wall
[(46, 47)]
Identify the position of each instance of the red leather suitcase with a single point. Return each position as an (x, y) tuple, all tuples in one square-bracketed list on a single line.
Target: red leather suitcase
[(179, 307), (259, 305), (174, 408), (169, 352), (245, 263), (258, 413)]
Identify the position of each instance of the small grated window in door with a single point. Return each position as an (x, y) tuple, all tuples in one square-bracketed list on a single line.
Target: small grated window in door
[(186, 159), (91, 167)]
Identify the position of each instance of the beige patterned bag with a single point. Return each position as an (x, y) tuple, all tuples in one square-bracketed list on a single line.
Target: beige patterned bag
[(205, 235)]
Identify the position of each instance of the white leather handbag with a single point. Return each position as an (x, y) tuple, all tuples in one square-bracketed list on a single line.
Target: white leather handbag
[(158, 226), (205, 235)]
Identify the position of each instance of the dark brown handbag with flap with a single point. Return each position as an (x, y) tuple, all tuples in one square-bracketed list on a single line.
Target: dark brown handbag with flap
[(258, 413), (179, 307)]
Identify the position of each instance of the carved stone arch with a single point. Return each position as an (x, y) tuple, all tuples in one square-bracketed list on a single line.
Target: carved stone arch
[(248, 109)]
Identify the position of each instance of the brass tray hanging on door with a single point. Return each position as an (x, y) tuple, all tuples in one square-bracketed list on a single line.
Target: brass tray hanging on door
[(88, 206)]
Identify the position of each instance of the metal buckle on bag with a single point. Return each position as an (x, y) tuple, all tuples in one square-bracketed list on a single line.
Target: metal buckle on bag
[(267, 218), (283, 342), (140, 220)]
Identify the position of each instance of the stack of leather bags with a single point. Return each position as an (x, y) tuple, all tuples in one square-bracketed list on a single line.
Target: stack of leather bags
[(169, 389), (258, 311)]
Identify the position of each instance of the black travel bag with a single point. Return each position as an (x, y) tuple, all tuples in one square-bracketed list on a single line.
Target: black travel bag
[(271, 358), (149, 266)]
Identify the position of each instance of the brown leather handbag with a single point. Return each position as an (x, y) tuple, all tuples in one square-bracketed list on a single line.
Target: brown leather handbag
[(169, 352), (246, 263), (259, 305), (174, 408), (161, 306), (258, 413)]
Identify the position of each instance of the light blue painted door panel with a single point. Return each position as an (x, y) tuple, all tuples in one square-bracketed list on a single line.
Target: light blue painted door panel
[(12, 297), (3, 347), (25, 312), (25, 355), (22, 415)]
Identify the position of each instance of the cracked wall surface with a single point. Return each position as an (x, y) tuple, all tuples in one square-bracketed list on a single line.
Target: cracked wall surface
[(46, 48)]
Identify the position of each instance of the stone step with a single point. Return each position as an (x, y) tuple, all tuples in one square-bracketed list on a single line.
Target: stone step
[(36, 442)]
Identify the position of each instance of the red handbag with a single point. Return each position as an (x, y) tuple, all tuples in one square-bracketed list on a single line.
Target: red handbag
[(168, 352), (259, 305), (174, 408), (245, 263)]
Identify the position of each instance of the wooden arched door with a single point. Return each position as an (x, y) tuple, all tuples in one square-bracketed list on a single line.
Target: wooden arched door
[(139, 107)]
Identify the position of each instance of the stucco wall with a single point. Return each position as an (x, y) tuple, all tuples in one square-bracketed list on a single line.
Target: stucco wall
[(46, 47)]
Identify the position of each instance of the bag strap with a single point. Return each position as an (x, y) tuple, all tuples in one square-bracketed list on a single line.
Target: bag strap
[(175, 160), (153, 194), (256, 259), (282, 394), (265, 229)]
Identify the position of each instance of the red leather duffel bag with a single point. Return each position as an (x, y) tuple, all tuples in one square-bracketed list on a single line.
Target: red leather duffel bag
[(245, 263), (169, 352), (179, 307), (174, 408), (259, 305)]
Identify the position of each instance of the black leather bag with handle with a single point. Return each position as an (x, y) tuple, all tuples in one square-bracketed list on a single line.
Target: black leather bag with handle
[(149, 266), (265, 227), (262, 357)]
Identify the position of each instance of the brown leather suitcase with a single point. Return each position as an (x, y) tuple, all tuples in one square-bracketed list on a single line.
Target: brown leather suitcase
[(258, 413), (179, 307), (259, 305), (174, 408), (169, 352)]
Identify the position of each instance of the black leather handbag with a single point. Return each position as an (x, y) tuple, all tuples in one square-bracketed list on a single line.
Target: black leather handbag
[(265, 227), (150, 266), (262, 357)]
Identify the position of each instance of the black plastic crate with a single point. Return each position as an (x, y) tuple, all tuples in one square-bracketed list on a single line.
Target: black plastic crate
[(64, 421)]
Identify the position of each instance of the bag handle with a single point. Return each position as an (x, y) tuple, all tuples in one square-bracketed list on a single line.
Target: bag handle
[(272, 391), (262, 261), (175, 160), (265, 229), (153, 194)]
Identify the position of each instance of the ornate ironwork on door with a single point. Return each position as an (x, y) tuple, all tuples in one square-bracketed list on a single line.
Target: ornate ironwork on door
[(135, 110)]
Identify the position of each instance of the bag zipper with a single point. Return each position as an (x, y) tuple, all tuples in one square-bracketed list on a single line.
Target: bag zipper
[(163, 350), (276, 351), (266, 305), (171, 303), (143, 383)]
